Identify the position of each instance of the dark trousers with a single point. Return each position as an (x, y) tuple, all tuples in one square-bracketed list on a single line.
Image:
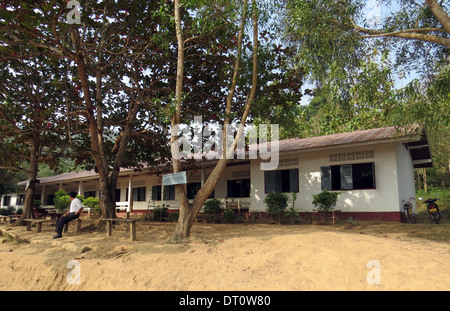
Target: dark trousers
[(64, 220)]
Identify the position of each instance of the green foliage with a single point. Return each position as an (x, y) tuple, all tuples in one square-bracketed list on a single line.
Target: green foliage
[(159, 213), (62, 200), (292, 212), (7, 211), (37, 203), (276, 202), (174, 216), (212, 206), (228, 215), (326, 200), (91, 202), (330, 32)]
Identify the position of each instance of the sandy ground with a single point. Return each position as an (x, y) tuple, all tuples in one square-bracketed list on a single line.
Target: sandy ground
[(221, 257)]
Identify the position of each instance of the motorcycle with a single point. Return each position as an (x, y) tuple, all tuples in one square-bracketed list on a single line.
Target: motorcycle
[(433, 210)]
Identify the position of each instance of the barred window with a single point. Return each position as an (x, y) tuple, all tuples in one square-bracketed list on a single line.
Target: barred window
[(348, 176)]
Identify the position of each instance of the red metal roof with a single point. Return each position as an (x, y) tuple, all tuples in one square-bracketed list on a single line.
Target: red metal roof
[(356, 137)]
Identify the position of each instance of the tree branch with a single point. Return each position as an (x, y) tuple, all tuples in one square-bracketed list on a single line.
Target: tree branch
[(440, 14), (412, 34)]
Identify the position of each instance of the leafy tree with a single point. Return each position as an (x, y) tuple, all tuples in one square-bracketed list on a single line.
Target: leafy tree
[(7, 182), (122, 62), (188, 212), (353, 62), (334, 33), (105, 50), (32, 123)]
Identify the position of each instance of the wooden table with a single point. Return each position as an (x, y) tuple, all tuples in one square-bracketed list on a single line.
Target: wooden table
[(131, 221)]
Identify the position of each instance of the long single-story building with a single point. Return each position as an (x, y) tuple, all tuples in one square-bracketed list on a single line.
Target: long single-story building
[(373, 170)]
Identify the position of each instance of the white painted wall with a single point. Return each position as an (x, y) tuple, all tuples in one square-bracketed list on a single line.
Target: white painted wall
[(393, 173), (382, 199), (405, 176), (153, 180)]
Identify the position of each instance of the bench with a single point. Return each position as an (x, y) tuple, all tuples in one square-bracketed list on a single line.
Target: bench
[(121, 206), (77, 227), (38, 223), (132, 222), (3, 218)]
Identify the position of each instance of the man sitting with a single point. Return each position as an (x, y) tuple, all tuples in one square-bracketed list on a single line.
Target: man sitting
[(73, 213)]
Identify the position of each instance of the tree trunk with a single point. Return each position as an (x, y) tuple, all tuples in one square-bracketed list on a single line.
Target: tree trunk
[(28, 205), (188, 213), (419, 180), (440, 14), (107, 177), (425, 186)]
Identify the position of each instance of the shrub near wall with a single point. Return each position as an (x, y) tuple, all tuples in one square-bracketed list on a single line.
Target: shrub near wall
[(276, 203), (326, 200)]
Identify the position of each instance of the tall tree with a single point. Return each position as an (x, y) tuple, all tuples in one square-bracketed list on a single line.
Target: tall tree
[(335, 32), (353, 60), (188, 212), (105, 45), (32, 123)]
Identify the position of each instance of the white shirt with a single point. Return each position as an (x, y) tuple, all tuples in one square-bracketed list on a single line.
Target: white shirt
[(75, 205)]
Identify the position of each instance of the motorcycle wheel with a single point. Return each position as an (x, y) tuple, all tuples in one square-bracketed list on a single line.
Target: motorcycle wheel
[(434, 217)]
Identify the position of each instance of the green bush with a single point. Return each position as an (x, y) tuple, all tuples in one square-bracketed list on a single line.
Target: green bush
[(7, 211), (62, 200), (174, 216), (228, 215), (326, 200), (212, 206), (37, 203), (276, 202), (91, 202), (159, 212)]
